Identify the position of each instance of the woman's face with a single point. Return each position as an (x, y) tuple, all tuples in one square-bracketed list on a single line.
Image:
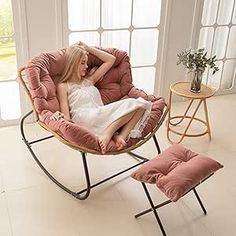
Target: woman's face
[(82, 68)]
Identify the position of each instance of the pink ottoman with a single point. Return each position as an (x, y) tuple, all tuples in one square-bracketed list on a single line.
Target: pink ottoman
[(175, 171)]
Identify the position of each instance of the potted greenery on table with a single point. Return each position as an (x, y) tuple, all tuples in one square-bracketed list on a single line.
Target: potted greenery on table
[(196, 61)]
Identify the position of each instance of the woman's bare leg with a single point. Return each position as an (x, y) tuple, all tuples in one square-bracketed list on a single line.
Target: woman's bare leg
[(105, 138), (124, 133)]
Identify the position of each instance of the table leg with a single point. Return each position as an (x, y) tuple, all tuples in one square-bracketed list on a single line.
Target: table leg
[(207, 118), (194, 113), (184, 115), (188, 125), (168, 117)]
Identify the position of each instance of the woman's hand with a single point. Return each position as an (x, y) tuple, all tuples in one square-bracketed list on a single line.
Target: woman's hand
[(57, 116)]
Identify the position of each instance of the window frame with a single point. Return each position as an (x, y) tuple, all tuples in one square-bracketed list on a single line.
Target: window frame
[(159, 65)]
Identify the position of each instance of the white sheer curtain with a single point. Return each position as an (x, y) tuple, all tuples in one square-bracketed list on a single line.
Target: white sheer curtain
[(132, 26), (218, 36)]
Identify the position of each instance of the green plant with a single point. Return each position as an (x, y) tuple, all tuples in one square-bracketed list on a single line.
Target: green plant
[(197, 60)]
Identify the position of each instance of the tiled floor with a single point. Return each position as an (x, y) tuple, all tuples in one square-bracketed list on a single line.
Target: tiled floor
[(31, 205)]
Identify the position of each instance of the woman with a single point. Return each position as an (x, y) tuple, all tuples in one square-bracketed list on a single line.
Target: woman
[(80, 101)]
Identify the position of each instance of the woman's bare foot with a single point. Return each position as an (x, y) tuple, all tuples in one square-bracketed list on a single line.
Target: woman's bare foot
[(103, 142), (119, 141)]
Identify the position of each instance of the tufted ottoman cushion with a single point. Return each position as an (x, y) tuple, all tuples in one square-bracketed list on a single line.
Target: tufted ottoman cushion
[(176, 170)]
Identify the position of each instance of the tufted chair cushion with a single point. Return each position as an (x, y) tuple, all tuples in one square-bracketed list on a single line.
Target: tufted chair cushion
[(42, 74)]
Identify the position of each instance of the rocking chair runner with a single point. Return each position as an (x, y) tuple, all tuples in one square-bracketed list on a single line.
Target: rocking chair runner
[(39, 78)]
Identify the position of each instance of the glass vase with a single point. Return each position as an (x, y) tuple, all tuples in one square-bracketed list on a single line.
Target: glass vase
[(196, 81)]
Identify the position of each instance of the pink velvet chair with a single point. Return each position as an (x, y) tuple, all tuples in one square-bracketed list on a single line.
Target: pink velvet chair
[(40, 77)]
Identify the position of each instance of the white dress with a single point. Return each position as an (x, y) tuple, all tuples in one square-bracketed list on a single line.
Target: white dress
[(87, 109)]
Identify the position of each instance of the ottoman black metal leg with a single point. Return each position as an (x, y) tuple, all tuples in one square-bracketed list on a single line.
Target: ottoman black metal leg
[(153, 209), (199, 200)]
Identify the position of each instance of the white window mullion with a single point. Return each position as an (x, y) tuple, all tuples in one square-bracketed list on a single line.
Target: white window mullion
[(131, 28)]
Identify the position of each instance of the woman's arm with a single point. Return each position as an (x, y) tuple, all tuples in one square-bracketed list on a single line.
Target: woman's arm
[(63, 101), (107, 58)]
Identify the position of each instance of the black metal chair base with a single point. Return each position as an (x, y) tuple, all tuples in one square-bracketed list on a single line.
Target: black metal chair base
[(154, 208), (84, 193)]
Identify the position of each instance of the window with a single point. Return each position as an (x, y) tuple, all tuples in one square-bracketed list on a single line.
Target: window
[(112, 23), (9, 89), (218, 36)]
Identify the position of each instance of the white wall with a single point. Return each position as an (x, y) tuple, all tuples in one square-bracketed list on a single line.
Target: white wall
[(42, 26), (178, 36), (38, 27)]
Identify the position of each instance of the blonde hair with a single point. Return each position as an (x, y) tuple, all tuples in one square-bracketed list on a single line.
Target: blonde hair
[(73, 57)]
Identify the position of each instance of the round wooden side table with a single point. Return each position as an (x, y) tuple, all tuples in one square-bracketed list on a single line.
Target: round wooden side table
[(182, 88)]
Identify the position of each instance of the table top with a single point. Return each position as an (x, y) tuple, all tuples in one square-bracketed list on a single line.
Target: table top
[(182, 88)]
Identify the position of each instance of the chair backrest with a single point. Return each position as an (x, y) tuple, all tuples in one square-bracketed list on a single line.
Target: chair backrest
[(40, 77), (42, 72)]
